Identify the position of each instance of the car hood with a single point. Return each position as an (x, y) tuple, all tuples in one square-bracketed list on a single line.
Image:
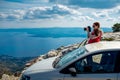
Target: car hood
[(41, 66)]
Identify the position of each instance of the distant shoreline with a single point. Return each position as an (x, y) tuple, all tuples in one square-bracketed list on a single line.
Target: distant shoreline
[(48, 27), (53, 32)]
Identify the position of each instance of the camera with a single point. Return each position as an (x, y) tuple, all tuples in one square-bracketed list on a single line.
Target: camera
[(88, 27)]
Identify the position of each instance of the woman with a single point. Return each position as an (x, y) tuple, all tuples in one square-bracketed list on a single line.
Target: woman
[(95, 35)]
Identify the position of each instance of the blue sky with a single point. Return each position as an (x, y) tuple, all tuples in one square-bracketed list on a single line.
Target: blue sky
[(67, 13)]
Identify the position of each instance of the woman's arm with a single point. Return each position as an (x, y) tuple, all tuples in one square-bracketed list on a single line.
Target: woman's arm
[(88, 34), (99, 35)]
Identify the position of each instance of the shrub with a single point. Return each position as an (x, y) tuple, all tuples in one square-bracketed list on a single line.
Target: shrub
[(107, 39), (116, 27)]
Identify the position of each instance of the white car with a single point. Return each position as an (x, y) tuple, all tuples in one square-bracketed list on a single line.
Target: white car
[(96, 61)]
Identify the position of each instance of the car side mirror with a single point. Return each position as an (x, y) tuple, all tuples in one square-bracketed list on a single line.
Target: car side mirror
[(73, 72)]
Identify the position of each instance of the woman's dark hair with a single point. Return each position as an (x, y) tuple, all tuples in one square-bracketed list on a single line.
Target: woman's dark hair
[(96, 32), (97, 24)]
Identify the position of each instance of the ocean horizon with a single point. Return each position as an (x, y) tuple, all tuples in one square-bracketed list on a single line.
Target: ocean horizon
[(27, 42)]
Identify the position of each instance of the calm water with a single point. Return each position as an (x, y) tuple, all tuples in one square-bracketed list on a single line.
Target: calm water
[(34, 42)]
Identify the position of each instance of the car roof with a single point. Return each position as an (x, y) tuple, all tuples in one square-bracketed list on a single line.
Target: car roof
[(103, 45)]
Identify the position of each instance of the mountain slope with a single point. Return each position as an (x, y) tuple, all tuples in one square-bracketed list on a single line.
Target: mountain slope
[(10, 65)]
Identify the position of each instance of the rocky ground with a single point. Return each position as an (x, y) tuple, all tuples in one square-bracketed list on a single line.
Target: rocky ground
[(112, 36), (12, 65), (61, 51), (8, 77)]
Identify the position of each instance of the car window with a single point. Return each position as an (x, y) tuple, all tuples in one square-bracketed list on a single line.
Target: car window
[(117, 68), (102, 62)]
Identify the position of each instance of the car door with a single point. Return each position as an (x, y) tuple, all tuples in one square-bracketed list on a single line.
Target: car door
[(118, 65), (97, 66), (119, 76)]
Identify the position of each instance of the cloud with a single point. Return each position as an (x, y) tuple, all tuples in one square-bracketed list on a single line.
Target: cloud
[(62, 12), (99, 4), (82, 18), (110, 19), (10, 17), (102, 14), (115, 10), (13, 17), (28, 1), (47, 12), (107, 14), (119, 17), (40, 13), (13, 0), (2, 16), (90, 3)]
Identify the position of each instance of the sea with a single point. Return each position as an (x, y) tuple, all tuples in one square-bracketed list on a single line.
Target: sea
[(29, 42)]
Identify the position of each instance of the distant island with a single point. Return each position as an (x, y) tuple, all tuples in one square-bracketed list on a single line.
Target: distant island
[(57, 32)]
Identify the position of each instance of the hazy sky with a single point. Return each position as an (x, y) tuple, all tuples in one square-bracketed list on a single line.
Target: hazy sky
[(58, 13)]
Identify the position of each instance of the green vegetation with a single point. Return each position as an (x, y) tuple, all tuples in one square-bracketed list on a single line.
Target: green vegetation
[(116, 27), (107, 39), (4, 70)]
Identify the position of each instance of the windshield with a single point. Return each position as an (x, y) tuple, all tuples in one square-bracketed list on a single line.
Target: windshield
[(71, 56)]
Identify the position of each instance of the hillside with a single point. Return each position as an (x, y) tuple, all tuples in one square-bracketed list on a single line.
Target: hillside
[(12, 65)]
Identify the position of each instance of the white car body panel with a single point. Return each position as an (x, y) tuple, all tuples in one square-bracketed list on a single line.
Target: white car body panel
[(92, 77), (41, 66), (49, 75), (119, 76), (103, 45), (43, 70)]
